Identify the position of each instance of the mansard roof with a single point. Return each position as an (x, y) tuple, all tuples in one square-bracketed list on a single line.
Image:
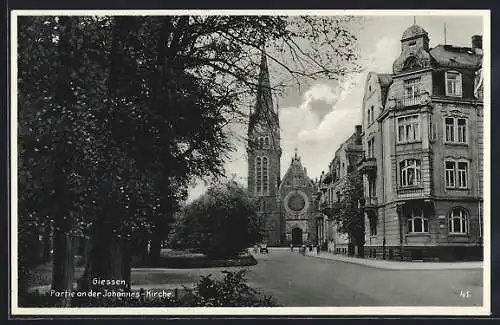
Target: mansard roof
[(456, 57)]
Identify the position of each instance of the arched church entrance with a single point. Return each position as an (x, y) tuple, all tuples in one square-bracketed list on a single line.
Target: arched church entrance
[(297, 236)]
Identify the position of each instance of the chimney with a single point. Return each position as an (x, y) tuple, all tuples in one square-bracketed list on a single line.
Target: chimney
[(477, 44)]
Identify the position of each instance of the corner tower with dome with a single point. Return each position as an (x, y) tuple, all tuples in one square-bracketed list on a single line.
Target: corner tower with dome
[(423, 148), (286, 205)]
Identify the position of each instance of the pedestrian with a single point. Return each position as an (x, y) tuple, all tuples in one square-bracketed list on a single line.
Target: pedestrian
[(317, 249), (291, 247)]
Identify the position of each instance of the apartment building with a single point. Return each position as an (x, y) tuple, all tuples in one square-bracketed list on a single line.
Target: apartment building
[(422, 164), (330, 193)]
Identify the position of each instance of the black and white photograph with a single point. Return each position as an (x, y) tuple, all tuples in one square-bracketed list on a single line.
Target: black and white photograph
[(272, 162)]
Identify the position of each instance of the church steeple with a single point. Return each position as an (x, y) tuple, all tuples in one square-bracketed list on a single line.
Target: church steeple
[(264, 102), (264, 109)]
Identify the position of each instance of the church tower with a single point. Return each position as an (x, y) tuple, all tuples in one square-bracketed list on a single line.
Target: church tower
[(264, 154)]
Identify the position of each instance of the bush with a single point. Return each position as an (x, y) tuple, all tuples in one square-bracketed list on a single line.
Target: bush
[(232, 291), (220, 224)]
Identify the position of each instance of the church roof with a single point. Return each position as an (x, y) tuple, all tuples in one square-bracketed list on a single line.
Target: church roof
[(413, 31), (296, 168)]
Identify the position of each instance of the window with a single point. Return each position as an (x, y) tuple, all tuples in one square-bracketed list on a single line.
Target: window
[(458, 221), (462, 174), (408, 128), (372, 189), (410, 172), (371, 148), (455, 130), (261, 175), (461, 130), (450, 129), (266, 142), (450, 173), (372, 112), (417, 221), (258, 174), (411, 91), (373, 225), (265, 175), (453, 84), (456, 174)]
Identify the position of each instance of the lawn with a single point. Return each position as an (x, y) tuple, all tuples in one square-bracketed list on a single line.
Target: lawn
[(168, 273)]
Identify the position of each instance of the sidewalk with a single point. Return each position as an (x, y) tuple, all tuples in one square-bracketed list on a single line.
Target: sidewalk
[(396, 265)]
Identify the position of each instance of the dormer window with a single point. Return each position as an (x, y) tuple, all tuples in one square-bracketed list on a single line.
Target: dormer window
[(453, 84)]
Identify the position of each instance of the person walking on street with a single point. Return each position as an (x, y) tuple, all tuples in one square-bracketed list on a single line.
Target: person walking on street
[(291, 247)]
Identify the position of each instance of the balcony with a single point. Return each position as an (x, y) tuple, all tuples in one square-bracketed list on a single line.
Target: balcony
[(367, 165), (411, 192), (331, 209), (409, 101), (368, 203)]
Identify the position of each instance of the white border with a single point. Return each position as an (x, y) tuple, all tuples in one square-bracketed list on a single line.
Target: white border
[(411, 310)]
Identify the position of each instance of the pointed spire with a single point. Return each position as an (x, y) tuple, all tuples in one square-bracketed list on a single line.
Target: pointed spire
[(264, 97)]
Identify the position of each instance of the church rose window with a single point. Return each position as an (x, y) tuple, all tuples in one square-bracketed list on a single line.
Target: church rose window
[(296, 202)]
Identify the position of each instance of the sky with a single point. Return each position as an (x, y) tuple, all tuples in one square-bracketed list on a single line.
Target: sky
[(317, 119)]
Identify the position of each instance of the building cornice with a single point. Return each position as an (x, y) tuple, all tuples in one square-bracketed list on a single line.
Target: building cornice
[(404, 74)]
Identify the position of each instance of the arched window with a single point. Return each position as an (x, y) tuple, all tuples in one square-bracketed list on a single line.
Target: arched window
[(258, 174), (261, 142), (266, 142), (410, 172), (265, 175), (417, 221), (458, 221)]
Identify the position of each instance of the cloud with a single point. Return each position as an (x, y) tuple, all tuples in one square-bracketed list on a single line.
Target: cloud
[(386, 50)]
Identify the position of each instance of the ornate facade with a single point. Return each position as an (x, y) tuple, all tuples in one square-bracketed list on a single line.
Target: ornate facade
[(422, 137)]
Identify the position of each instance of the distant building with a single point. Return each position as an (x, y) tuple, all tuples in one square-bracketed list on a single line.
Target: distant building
[(423, 153), (330, 193), (287, 204)]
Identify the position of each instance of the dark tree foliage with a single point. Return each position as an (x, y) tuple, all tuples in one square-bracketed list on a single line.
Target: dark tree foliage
[(118, 115), (350, 217), (222, 223)]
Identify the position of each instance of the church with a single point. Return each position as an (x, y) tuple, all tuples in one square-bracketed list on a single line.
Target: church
[(287, 204)]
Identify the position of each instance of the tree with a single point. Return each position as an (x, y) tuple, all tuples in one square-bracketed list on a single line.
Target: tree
[(120, 114), (221, 223), (350, 217)]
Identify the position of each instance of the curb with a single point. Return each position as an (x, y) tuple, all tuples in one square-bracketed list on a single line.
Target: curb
[(396, 267)]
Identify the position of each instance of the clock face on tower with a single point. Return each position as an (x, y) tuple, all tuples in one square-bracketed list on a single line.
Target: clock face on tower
[(296, 202)]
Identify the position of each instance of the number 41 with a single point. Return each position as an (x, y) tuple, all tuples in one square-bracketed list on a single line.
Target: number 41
[(465, 294)]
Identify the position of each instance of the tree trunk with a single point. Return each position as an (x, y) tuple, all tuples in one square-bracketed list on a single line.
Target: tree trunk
[(47, 244), (155, 250), (63, 265), (105, 261), (127, 265)]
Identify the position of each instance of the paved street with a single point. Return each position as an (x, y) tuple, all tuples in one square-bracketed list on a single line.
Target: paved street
[(297, 280)]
